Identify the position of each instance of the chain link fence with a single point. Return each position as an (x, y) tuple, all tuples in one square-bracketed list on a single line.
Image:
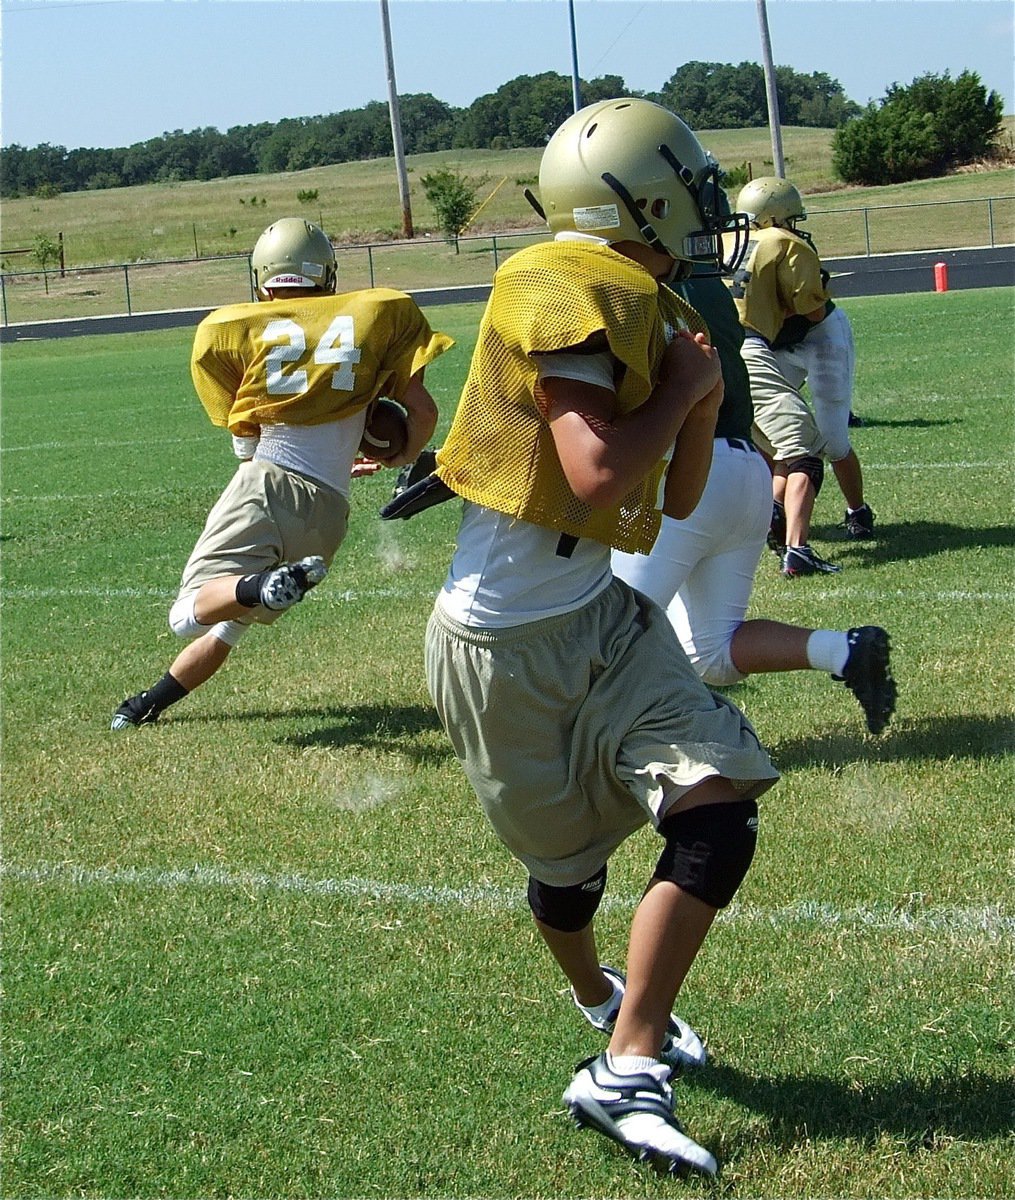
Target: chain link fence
[(145, 287)]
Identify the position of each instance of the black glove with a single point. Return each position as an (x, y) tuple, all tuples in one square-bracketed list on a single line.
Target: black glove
[(416, 489), (794, 330)]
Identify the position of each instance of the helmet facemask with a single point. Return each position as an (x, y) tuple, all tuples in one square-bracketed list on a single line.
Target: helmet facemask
[(630, 170)]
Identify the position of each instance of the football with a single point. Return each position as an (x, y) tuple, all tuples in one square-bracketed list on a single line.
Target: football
[(386, 431)]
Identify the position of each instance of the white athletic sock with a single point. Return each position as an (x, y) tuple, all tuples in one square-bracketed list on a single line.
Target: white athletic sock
[(828, 650), (630, 1064), (600, 1013)]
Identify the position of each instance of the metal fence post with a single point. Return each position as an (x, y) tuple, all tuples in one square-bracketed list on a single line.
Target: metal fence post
[(126, 284), (370, 263), (867, 230), (496, 262), (3, 294), (990, 218)]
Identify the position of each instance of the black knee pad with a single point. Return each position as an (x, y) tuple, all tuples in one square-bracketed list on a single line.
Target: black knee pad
[(709, 849), (811, 466), (567, 908)]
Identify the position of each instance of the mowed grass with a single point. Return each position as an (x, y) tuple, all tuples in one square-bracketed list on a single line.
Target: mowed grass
[(269, 948)]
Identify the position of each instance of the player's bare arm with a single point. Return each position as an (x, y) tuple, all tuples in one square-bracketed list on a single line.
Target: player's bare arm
[(604, 454), (688, 471), (421, 417)]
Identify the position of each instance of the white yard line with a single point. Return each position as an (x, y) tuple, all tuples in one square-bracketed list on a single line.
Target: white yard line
[(989, 921), (77, 445), (353, 595)]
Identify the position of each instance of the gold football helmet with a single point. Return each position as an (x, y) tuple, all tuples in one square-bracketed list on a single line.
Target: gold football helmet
[(630, 170), (293, 253), (769, 200)]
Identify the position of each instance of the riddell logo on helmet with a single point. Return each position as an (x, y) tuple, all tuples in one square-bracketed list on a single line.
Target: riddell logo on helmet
[(288, 280)]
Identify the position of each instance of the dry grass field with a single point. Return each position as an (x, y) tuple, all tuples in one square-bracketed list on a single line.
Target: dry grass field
[(358, 202)]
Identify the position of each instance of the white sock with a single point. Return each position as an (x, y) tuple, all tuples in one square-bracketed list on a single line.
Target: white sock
[(600, 1012), (629, 1064), (828, 650)]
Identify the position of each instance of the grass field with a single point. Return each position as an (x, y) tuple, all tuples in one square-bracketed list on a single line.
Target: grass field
[(269, 948)]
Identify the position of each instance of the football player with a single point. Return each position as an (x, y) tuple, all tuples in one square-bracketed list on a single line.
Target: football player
[(565, 693), (782, 298), (291, 376), (701, 569)]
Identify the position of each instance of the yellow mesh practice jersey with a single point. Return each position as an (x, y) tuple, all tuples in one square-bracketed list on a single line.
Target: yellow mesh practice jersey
[(500, 451), (309, 359), (781, 275)]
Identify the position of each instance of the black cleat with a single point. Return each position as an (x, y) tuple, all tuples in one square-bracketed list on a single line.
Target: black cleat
[(682, 1047), (868, 674), (860, 524), (776, 539), (136, 710), (802, 560), (287, 584)]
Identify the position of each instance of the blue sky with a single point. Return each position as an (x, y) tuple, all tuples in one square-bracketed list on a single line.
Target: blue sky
[(112, 72)]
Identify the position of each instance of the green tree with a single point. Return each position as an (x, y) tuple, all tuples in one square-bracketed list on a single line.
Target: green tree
[(711, 95), (926, 128), (428, 124), (526, 110), (453, 197), (45, 251)]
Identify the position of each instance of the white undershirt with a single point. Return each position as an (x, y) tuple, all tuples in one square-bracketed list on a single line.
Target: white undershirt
[(508, 572), (323, 452)]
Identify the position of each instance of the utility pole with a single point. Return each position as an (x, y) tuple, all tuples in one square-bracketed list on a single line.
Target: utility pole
[(576, 92), (771, 93), (396, 125)]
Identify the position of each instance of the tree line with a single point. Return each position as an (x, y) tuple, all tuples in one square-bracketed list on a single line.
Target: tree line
[(916, 131), (522, 112)]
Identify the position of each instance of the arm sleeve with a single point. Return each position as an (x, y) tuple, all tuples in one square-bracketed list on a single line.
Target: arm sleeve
[(217, 375), (412, 345), (800, 277), (244, 447), (596, 369)]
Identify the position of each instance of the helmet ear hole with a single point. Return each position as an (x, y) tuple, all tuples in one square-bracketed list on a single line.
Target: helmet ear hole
[(660, 208)]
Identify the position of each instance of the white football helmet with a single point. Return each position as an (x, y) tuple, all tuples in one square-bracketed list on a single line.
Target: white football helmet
[(293, 253), (630, 170)]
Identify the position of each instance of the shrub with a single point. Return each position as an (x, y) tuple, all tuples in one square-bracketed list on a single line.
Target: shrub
[(453, 197), (925, 129)]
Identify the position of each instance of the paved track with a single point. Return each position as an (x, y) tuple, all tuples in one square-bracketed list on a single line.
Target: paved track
[(876, 275)]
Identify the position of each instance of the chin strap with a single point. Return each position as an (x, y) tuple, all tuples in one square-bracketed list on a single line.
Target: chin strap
[(628, 201), (527, 193)]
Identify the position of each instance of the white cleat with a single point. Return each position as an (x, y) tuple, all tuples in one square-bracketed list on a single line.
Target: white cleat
[(636, 1111), (681, 1047), (287, 584)]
